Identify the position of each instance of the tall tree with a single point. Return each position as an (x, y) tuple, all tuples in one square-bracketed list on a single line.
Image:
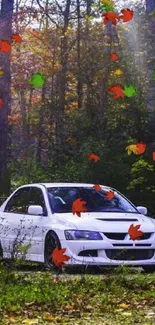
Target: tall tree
[(5, 95)]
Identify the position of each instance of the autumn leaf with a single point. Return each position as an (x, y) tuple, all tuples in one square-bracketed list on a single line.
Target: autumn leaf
[(130, 91), (110, 195), (118, 72), (107, 2), (58, 257), (97, 187), (132, 148), (92, 156), (1, 72), (117, 90), (1, 103), (114, 57), (30, 321), (110, 16), (153, 76), (134, 233), (141, 147), (5, 46), (17, 38), (77, 207), (127, 15), (153, 155), (37, 80)]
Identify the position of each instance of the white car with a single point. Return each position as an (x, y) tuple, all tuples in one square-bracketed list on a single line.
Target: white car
[(41, 214)]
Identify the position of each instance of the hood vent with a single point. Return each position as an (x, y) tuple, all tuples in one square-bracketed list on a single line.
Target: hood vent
[(113, 220)]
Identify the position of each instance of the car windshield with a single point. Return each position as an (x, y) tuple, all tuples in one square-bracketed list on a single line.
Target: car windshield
[(62, 198)]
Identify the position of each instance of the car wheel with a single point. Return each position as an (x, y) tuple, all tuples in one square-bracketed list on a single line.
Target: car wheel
[(149, 268), (51, 242)]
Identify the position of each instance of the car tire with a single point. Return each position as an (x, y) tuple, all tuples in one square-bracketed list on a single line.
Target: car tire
[(51, 242), (149, 268)]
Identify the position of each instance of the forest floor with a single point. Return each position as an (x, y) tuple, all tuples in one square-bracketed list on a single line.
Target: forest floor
[(34, 295)]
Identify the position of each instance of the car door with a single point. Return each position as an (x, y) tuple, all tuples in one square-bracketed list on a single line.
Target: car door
[(33, 224), (12, 218)]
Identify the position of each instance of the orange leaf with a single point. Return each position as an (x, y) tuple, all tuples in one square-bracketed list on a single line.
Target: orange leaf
[(153, 154), (110, 195), (58, 257), (97, 187), (134, 233), (110, 16), (127, 15), (141, 147), (1, 103), (17, 38), (114, 57), (5, 46), (117, 90), (77, 207), (92, 156)]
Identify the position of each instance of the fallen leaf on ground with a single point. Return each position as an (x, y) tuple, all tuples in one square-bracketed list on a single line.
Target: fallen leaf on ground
[(30, 321)]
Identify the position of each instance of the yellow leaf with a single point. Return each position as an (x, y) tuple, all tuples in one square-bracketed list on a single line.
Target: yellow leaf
[(107, 2), (48, 317), (118, 72), (131, 148), (30, 321), (124, 306)]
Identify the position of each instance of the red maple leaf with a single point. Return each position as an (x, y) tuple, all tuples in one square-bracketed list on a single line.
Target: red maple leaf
[(17, 38), (1, 103), (58, 257), (77, 207), (5, 46), (153, 155), (114, 57), (110, 16), (92, 156), (127, 15), (141, 147), (110, 195), (117, 90), (134, 233), (97, 187)]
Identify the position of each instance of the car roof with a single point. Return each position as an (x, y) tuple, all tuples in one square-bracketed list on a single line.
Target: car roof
[(48, 185)]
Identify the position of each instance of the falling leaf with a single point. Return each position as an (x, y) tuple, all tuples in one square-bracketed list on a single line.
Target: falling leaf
[(117, 90), (110, 195), (37, 80), (132, 148), (134, 233), (92, 156), (110, 16), (114, 57), (130, 91), (153, 76), (77, 207), (153, 154), (127, 15), (1, 103), (1, 72), (107, 2), (141, 147), (97, 187), (17, 38), (5, 46), (58, 257), (118, 72)]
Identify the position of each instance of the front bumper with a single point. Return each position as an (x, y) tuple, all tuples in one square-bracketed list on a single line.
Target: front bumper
[(143, 252)]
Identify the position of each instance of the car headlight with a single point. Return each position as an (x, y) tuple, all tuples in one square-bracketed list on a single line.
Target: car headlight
[(82, 234)]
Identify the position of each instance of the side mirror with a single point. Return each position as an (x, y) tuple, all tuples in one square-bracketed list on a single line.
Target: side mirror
[(35, 209), (142, 210)]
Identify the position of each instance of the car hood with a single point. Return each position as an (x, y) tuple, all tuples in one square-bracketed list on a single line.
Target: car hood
[(107, 222)]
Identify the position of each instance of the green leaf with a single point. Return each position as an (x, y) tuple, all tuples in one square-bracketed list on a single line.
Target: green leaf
[(130, 91)]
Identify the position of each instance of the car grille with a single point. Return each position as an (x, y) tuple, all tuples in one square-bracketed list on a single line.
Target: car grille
[(129, 254), (89, 253), (121, 236)]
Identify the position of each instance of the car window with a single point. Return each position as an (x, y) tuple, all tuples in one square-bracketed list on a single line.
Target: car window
[(36, 197), (18, 202), (62, 198)]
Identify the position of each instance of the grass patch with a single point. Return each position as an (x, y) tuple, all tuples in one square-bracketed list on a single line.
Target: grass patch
[(120, 296)]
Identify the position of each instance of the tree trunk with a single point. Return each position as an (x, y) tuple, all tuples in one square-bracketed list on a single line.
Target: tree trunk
[(79, 85), (5, 95)]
